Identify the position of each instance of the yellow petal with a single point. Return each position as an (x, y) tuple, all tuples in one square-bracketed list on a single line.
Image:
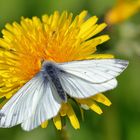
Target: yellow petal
[(9, 27), (57, 122), (89, 47), (93, 31), (37, 23), (82, 15), (45, 18), (4, 44), (63, 18), (100, 56), (9, 95), (44, 124), (55, 19), (99, 28), (89, 33), (103, 38), (87, 25), (72, 117), (102, 99), (91, 104)]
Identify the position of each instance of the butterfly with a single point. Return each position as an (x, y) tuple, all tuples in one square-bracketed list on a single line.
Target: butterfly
[(40, 99)]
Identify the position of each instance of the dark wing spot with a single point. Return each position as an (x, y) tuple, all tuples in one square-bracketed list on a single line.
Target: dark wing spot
[(2, 115)]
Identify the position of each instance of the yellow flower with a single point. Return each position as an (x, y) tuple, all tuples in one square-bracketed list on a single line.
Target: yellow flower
[(122, 11), (57, 38)]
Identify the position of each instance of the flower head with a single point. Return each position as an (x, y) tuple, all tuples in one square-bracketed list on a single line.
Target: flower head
[(122, 11), (58, 38)]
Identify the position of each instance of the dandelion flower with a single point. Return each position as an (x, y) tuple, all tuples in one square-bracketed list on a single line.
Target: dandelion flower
[(30, 53), (122, 11)]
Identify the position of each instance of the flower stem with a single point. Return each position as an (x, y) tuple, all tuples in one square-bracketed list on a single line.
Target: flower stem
[(64, 134)]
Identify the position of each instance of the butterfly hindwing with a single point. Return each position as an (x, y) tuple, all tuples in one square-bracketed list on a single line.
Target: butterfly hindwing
[(79, 88), (48, 107)]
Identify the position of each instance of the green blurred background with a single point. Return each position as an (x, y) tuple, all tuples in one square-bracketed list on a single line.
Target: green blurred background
[(121, 121)]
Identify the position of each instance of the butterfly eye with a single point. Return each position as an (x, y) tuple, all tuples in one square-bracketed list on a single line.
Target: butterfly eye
[(49, 67)]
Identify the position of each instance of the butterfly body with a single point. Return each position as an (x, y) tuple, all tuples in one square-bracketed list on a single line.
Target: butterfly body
[(51, 72)]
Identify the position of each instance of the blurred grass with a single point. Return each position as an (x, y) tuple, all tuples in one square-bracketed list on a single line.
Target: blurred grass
[(121, 120)]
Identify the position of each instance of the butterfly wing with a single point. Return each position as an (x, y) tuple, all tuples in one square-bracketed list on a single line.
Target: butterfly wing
[(48, 107), (22, 104), (33, 98), (97, 70), (83, 79), (79, 88)]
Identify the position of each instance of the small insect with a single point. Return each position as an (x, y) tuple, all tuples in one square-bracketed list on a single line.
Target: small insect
[(40, 99)]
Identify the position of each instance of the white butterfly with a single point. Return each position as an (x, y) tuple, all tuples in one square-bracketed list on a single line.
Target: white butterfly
[(40, 99)]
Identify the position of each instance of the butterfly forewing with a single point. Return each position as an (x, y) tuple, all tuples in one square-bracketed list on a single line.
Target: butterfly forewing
[(22, 104), (95, 71), (47, 108), (35, 97)]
